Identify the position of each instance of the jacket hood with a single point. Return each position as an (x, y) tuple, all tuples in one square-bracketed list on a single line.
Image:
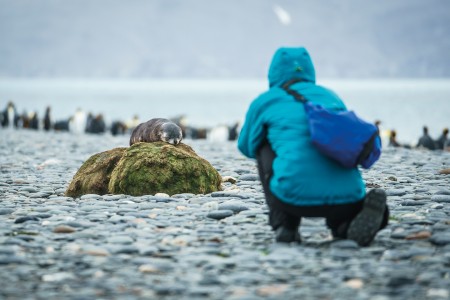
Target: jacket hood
[(290, 63)]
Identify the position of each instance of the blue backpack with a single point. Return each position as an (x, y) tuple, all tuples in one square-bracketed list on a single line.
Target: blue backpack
[(341, 136)]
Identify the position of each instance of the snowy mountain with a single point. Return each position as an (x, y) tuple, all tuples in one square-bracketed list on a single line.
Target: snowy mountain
[(225, 39)]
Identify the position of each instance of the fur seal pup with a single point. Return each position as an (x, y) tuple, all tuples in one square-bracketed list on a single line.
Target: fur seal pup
[(156, 130)]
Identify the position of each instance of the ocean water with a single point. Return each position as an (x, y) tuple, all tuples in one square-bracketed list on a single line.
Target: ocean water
[(403, 105)]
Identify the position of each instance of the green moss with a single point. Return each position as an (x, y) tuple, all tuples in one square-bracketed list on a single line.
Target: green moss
[(94, 175), (150, 168)]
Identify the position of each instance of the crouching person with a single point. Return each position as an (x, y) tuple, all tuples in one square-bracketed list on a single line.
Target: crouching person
[(298, 181)]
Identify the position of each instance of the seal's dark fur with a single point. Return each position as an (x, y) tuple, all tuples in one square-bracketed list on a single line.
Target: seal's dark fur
[(156, 130)]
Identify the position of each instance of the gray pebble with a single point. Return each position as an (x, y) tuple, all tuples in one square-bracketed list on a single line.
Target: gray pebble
[(220, 214), (6, 211), (26, 219), (441, 198), (249, 177), (440, 238), (177, 245), (233, 205)]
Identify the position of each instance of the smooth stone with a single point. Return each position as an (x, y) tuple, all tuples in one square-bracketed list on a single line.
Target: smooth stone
[(121, 219), (441, 198), (220, 214), (162, 195), (6, 211), (26, 219), (90, 196), (344, 244), (249, 177), (29, 189), (11, 259), (96, 208), (167, 289), (148, 250), (124, 240), (64, 229), (211, 205), (43, 215), (233, 205), (127, 249), (39, 195), (58, 277), (413, 203), (440, 238), (438, 293), (164, 199), (8, 250), (95, 251), (443, 192), (183, 196), (400, 278), (395, 192), (441, 227), (112, 197), (341, 253), (230, 195)]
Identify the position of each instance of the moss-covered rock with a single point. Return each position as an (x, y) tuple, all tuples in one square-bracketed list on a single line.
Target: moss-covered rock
[(150, 168), (94, 175)]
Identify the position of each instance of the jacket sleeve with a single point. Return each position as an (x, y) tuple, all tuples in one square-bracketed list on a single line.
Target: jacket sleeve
[(253, 131)]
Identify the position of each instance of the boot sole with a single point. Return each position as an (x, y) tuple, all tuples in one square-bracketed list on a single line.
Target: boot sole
[(284, 235), (367, 223)]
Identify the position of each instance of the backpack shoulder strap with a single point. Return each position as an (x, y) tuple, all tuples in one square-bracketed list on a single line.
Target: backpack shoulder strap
[(295, 94)]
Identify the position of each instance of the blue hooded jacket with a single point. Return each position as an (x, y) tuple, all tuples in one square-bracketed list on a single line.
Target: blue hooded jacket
[(301, 175)]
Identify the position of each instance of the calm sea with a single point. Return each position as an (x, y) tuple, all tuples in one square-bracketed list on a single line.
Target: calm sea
[(403, 105)]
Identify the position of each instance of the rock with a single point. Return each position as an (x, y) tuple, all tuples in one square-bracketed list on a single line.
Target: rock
[(344, 244), (64, 229), (440, 238), (29, 189), (249, 177), (230, 194), (162, 195), (395, 192), (26, 219), (6, 211), (441, 198), (354, 284), (419, 235), (95, 251), (91, 197), (229, 179), (445, 171), (126, 249), (11, 259), (443, 192), (120, 239), (233, 205), (58, 277), (94, 175), (272, 290), (150, 168), (220, 214), (438, 293), (211, 205)]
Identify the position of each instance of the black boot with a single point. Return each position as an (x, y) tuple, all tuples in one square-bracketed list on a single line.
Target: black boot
[(368, 221), (286, 235)]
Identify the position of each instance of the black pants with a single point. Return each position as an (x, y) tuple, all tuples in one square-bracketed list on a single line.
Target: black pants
[(338, 217)]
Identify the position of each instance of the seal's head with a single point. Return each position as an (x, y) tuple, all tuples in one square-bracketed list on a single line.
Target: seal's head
[(171, 133)]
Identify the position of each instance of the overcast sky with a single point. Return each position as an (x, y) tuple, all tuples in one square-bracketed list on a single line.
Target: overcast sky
[(224, 39)]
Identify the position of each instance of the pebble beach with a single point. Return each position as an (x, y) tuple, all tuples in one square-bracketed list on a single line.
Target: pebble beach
[(213, 246)]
